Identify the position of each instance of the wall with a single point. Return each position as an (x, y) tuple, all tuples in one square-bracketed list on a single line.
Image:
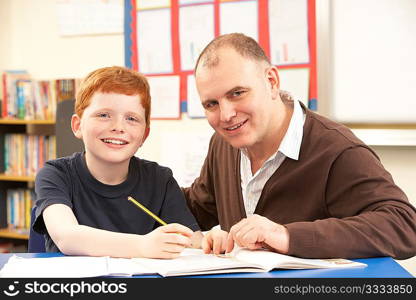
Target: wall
[(374, 37), (29, 39), (33, 43), (399, 161)]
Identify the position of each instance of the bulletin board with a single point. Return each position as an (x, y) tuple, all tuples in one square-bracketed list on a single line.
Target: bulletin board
[(163, 39)]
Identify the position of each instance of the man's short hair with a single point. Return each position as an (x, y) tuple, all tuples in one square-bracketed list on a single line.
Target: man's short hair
[(242, 44)]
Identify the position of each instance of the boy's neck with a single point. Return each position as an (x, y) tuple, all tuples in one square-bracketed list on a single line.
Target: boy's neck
[(107, 173)]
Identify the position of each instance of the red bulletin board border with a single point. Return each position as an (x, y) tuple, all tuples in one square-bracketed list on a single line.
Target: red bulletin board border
[(132, 56)]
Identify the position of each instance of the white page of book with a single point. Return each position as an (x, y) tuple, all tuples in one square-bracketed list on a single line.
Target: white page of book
[(154, 41), (296, 82), (190, 261), (288, 26), (196, 30), (164, 91), (239, 17), (56, 267), (270, 260), (126, 266)]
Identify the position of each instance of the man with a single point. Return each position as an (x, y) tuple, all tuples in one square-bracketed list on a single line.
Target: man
[(280, 176)]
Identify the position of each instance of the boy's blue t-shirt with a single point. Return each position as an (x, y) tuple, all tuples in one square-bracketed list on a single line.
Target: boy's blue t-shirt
[(68, 181)]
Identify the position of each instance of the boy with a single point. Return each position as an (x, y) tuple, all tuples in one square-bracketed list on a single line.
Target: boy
[(82, 206)]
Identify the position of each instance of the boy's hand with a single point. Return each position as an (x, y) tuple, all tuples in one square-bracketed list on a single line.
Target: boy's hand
[(166, 241), (215, 241)]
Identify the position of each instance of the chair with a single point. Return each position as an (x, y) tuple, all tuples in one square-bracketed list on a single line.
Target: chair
[(36, 240), (66, 142)]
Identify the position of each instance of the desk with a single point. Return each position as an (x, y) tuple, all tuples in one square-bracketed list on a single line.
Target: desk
[(381, 267)]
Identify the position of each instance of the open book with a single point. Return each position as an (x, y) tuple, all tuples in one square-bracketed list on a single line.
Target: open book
[(195, 262), (191, 262)]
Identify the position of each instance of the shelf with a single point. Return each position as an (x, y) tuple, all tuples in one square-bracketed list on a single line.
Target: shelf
[(25, 122), (19, 234), (4, 177)]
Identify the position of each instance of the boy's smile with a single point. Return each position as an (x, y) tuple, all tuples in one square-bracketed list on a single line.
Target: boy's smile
[(112, 127), (114, 141)]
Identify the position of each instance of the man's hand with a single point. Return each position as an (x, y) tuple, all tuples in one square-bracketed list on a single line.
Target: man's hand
[(257, 232), (215, 241)]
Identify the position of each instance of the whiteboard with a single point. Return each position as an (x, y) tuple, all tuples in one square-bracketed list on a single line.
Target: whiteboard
[(373, 61)]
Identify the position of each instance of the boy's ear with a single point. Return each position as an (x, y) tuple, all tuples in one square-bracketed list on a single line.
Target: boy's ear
[(145, 135), (76, 126)]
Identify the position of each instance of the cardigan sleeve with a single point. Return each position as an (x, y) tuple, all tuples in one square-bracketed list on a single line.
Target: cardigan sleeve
[(369, 215)]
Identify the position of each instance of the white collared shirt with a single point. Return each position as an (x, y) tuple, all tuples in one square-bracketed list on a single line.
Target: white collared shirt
[(252, 185)]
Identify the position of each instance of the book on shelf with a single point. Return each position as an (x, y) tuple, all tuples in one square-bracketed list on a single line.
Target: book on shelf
[(19, 204), (24, 155), (191, 262), (25, 98), (9, 91)]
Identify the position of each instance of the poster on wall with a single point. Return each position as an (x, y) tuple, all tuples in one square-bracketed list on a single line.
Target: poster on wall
[(89, 17), (166, 38)]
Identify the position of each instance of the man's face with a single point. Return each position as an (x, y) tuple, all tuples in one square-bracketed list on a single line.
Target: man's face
[(112, 128), (237, 95)]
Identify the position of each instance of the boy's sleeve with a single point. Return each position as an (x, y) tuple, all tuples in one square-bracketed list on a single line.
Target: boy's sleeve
[(51, 187), (175, 209)]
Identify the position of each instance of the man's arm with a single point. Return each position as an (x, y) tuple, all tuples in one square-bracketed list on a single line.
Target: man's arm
[(370, 215)]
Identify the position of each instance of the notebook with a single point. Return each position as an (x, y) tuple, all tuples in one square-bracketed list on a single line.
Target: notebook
[(190, 262)]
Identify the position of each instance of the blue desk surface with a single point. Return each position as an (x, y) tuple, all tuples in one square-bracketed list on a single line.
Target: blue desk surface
[(380, 267)]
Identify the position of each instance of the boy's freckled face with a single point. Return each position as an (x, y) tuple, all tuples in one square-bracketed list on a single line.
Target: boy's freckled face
[(112, 127)]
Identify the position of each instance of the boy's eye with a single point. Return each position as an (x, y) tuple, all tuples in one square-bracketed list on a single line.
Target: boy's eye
[(103, 115), (133, 119)]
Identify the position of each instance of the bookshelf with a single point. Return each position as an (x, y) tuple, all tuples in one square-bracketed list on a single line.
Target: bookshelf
[(27, 141), (9, 233), (15, 234), (26, 122)]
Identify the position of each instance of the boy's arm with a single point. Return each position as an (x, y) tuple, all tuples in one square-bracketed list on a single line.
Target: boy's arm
[(74, 239)]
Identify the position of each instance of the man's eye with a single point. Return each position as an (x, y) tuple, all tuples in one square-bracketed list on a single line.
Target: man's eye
[(237, 93), (103, 115), (210, 104)]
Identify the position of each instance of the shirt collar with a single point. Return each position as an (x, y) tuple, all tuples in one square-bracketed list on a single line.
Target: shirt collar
[(290, 145), (291, 142)]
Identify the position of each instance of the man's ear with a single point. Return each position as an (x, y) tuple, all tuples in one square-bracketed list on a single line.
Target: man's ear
[(272, 76), (76, 126)]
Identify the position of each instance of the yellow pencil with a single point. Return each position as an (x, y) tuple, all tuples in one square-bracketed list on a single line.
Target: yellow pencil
[(147, 211)]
